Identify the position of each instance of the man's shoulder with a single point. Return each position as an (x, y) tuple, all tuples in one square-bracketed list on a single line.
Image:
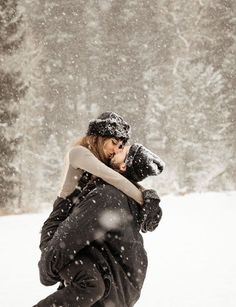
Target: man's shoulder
[(108, 189), (107, 196), (116, 198)]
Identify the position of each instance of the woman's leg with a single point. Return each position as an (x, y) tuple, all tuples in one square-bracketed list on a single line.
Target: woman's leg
[(84, 286), (61, 210)]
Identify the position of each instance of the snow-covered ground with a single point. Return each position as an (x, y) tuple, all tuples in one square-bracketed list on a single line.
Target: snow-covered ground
[(192, 255)]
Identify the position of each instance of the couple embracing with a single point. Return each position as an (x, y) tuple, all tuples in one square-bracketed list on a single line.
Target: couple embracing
[(91, 242)]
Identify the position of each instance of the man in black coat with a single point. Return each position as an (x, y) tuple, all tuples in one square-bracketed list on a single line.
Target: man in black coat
[(98, 250)]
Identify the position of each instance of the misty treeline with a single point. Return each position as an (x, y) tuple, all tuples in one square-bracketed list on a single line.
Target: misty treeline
[(167, 66)]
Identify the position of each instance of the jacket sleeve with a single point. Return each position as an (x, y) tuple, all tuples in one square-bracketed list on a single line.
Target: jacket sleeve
[(99, 213), (83, 158)]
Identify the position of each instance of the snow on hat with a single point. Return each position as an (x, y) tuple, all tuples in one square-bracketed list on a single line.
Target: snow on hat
[(109, 124), (142, 163)]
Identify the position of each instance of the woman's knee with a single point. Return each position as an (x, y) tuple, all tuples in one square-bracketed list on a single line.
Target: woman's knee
[(84, 275), (92, 287), (98, 288)]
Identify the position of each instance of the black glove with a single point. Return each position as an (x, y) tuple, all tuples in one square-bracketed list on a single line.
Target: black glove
[(151, 212)]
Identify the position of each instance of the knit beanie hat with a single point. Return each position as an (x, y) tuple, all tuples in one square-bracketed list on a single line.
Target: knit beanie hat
[(141, 163), (109, 124)]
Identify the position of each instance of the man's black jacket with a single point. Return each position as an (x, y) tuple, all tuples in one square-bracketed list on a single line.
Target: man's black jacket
[(105, 227)]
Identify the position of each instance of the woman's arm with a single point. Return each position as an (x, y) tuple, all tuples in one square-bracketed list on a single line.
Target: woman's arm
[(83, 158)]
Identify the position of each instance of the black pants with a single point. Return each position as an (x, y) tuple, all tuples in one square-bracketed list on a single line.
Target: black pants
[(84, 286)]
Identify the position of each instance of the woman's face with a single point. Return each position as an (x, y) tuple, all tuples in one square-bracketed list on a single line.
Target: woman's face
[(118, 161), (111, 147)]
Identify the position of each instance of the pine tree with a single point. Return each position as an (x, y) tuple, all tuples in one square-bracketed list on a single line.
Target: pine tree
[(9, 93), (66, 67), (190, 97), (11, 30), (12, 89), (51, 169)]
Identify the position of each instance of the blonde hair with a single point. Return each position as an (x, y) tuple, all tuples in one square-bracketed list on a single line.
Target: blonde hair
[(95, 144)]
